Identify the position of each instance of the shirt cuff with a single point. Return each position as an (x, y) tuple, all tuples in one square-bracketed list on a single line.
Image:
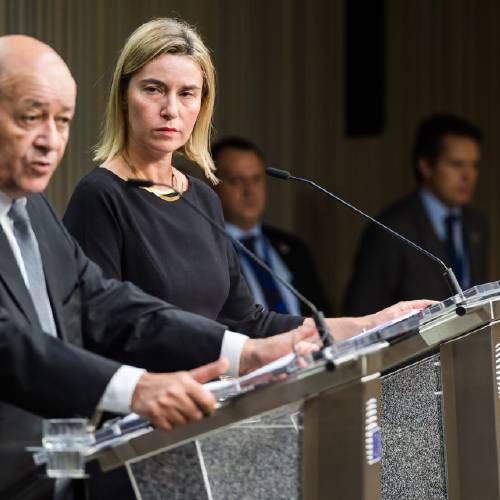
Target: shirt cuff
[(232, 345), (118, 393)]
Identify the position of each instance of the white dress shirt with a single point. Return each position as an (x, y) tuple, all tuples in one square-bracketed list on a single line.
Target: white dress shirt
[(118, 393)]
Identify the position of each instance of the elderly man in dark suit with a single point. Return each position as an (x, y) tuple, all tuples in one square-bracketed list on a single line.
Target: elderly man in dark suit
[(437, 216), (54, 302), (242, 190)]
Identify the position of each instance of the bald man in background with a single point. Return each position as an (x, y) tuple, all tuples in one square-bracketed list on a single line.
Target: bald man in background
[(54, 302)]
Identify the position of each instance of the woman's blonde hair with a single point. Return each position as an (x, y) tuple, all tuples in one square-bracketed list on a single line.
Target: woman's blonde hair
[(152, 39)]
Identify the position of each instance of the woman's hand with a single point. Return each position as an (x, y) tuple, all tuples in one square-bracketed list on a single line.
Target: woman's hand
[(399, 309), (258, 352), (345, 328)]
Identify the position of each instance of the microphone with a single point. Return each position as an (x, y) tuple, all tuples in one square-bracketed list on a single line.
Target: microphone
[(318, 316), (448, 271)]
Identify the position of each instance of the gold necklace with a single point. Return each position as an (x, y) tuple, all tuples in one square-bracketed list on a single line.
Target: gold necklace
[(173, 196)]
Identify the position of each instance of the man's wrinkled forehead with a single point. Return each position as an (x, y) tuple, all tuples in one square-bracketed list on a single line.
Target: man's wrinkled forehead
[(37, 89), (32, 69)]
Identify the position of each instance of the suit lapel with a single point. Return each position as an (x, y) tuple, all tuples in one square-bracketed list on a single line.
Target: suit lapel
[(14, 281), (473, 246), (473, 240), (43, 227)]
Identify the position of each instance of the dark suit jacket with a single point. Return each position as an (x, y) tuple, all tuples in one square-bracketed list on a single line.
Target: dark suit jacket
[(299, 261), (113, 319), (386, 270)]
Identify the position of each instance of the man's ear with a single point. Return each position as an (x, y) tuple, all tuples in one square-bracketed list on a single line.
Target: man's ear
[(425, 169)]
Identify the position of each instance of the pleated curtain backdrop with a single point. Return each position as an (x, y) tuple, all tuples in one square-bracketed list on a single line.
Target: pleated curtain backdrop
[(280, 66)]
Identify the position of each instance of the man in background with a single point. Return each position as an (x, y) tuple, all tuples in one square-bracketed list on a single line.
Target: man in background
[(436, 216), (242, 190)]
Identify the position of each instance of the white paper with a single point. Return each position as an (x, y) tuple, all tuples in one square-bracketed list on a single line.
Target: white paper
[(221, 387)]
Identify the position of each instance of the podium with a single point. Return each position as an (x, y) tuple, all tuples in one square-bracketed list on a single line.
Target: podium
[(410, 410), (278, 433)]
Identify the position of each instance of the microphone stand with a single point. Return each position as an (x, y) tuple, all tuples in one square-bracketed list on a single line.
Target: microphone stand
[(448, 271), (318, 316)]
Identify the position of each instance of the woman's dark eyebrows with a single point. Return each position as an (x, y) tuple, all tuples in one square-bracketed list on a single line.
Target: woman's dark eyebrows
[(162, 84), (191, 87), (154, 81)]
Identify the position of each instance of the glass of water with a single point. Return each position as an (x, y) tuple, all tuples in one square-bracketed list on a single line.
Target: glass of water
[(65, 441)]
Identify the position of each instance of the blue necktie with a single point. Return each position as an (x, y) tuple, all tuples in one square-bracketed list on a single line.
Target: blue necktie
[(267, 283), (452, 223), (33, 263)]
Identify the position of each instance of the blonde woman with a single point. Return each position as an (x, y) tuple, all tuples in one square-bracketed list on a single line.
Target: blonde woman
[(161, 103)]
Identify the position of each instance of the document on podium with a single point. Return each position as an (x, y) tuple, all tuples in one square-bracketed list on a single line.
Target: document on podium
[(223, 389), (115, 431)]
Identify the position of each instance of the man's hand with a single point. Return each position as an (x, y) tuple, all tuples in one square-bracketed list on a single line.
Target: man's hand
[(258, 352), (171, 399)]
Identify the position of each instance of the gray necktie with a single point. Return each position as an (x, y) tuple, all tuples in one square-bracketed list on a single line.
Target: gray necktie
[(33, 264)]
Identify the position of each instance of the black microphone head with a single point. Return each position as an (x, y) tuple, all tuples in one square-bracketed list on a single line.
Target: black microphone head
[(276, 172), (140, 182)]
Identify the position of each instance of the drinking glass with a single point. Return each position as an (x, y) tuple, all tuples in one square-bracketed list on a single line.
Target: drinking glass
[(65, 441)]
